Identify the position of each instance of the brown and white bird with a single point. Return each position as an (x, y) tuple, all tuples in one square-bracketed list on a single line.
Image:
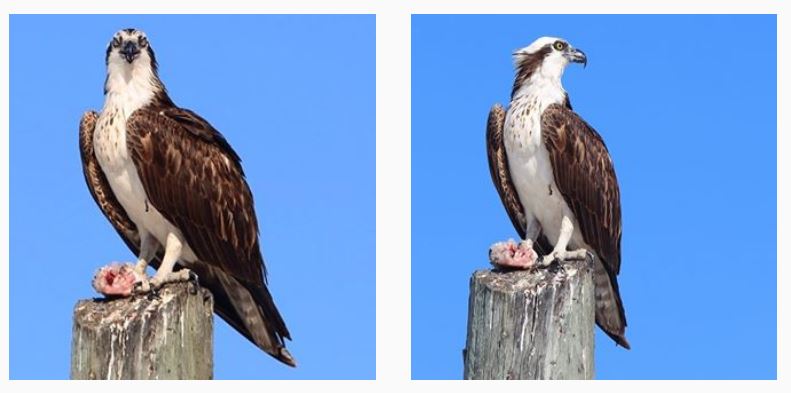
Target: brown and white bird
[(555, 176), (174, 190)]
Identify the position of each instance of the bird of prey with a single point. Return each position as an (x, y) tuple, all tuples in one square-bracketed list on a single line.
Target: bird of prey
[(555, 176), (174, 190)]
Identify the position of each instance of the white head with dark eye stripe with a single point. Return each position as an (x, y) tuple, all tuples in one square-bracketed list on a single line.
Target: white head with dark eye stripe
[(130, 46), (132, 69), (544, 61)]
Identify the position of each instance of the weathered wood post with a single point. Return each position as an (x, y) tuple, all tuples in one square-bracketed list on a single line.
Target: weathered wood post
[(531, 324), (141, 337)]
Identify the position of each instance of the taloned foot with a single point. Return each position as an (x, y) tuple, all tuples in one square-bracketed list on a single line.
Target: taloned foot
[(563, 256), (183, 275), (144, 287), (510, 255), (151, 286)]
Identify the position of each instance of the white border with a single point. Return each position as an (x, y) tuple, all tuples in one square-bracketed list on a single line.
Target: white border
[(393, 174)]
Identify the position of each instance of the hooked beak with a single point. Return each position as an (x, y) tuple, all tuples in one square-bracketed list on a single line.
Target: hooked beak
[(130, 51), (577, 56)]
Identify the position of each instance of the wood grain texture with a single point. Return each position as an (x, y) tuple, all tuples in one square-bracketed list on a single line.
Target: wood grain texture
[(169, 337), (531, 324)]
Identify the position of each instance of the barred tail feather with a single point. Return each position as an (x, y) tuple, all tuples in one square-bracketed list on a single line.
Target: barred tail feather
[(609, 309)]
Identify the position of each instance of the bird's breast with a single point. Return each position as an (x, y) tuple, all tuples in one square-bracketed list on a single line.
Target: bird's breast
[(113, 156), (523, 144), (531, 168)]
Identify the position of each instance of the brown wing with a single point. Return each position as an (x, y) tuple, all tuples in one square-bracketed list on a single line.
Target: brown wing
[(498, 168), (501, 176), (100, 188), (194, 178), (585, 176)]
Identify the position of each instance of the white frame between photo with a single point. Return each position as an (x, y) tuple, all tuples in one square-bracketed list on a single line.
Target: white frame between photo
[(393, 188)]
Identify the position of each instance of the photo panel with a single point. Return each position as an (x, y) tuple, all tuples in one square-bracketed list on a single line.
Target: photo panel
[(655, 136), (211, 131)]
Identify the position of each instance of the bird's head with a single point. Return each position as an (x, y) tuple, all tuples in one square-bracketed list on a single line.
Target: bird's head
[(545, 59), (550, 55), (130, 49), (131, 65)]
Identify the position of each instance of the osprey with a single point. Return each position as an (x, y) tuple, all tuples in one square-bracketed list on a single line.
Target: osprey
[(555, 176), (174, 190)]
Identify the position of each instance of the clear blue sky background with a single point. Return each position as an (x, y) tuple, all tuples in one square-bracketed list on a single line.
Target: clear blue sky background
[(687, 107), (294, 95)]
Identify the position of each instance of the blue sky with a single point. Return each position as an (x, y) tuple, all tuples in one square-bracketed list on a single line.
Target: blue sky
[(294, 95), (687, 107)]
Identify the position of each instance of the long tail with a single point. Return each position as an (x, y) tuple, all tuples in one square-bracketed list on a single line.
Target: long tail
[(249, 309), (610, 315)]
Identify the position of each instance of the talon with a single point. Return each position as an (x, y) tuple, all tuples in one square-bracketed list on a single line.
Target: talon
[(142, 286), (562, 268), (195, 284), (146, 287), (153, 294)]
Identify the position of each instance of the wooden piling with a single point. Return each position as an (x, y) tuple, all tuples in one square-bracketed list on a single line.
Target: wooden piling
[(534, 324), (168, 336)]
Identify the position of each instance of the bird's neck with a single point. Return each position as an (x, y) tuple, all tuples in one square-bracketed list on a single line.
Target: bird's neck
[(130, 87), (544, 90)]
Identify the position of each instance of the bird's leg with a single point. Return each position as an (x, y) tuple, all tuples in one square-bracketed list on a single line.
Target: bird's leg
[(148, 248), (560, 253), (165, 273), (533, 229)]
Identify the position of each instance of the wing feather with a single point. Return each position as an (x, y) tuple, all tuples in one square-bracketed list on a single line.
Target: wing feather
[(99, 187), (585, 176), (498, 168), (193, 177)]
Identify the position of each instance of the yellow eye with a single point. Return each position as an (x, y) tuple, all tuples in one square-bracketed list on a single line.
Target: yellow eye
[(116, 42), (559, 45)]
